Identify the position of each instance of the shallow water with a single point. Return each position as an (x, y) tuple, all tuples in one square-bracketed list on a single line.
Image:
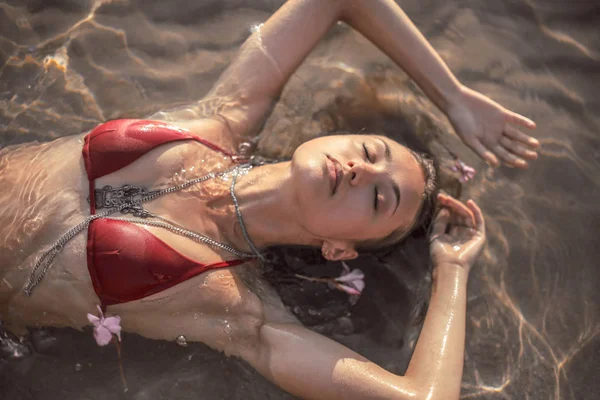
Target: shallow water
[(533, 323)]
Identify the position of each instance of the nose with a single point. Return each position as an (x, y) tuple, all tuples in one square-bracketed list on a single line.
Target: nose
[(362, 173)]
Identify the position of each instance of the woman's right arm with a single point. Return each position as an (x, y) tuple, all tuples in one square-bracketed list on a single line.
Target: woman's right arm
[(242, 97), (309, 365)]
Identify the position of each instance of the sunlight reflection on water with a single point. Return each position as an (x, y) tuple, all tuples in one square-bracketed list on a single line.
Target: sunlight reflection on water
[(532, 322)]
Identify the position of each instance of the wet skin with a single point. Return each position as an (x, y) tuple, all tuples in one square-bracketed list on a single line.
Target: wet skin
[(356, 187)]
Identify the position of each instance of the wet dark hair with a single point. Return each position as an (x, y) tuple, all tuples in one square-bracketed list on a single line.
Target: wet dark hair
[(426, 211), (404, 268)]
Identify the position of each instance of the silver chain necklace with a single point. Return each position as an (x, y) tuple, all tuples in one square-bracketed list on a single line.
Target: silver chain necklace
[(128, 199), (234, 176)]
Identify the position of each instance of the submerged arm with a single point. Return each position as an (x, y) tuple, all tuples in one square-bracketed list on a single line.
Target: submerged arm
[(309, 365), (272, 54), (247, 90)]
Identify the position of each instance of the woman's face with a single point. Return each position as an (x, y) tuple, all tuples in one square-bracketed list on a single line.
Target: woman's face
[(355, 187)]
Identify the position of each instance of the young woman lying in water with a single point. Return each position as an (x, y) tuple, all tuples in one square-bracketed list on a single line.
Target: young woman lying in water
[(168, 262)]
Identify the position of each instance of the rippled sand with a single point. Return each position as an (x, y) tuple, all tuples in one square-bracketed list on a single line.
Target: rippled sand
[(533, 322)]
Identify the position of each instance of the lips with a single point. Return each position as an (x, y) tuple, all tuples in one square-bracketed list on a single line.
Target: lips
[(334, 170)]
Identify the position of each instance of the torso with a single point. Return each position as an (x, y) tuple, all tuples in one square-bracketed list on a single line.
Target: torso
[(214, 307)]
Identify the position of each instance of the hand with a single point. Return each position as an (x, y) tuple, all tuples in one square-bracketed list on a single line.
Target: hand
[(456, 238), (488, 129)]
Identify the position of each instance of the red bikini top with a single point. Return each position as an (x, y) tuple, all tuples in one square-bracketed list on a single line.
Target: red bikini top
[(126, 262)]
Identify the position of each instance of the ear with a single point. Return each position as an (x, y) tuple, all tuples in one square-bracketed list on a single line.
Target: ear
[(338, 250)]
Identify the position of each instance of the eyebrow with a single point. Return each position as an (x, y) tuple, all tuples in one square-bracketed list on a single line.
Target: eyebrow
[(395, 187)]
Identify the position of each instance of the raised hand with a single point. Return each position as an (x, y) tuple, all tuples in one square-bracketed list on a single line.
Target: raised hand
[(491, 131), (458, 235)]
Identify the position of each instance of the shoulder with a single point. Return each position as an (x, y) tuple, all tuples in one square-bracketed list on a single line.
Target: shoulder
[(214, 130)]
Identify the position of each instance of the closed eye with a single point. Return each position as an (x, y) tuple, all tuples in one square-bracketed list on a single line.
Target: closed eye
[(367, 155), (376, 202)]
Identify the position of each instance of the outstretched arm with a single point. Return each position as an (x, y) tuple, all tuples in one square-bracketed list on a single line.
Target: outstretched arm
[(246, 91), (311, 366)]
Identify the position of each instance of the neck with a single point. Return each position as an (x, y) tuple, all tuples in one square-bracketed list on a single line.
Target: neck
[(267, 207)]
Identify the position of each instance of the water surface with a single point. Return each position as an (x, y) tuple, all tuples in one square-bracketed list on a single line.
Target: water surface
[(533, 322)]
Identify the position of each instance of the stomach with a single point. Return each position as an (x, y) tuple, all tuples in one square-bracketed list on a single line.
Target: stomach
[(44, 194)]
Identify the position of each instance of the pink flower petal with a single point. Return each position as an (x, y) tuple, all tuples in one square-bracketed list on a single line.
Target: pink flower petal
[(467, 172), (359, 285), (104, 328), (354, 275), (346, 268), (348, 289), (93, 319), (102, 335), (113, 324)]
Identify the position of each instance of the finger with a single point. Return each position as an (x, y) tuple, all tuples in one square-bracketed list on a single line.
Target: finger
[(483, 152), (518, 119), (456, 207), (440, 224), (517, 148), (458, 231), (509, 158), (462, 232), (454, 231), (516, 134), (479, 220), (460, 220)]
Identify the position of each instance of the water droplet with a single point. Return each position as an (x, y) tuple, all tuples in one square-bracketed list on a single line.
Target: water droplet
[(78, 367), (13, 348), (256, 27), (297, 310), (190, 357), (226, 310), (181, 341), (227, 328), (244, 148), (456, 248), (196, 315)]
